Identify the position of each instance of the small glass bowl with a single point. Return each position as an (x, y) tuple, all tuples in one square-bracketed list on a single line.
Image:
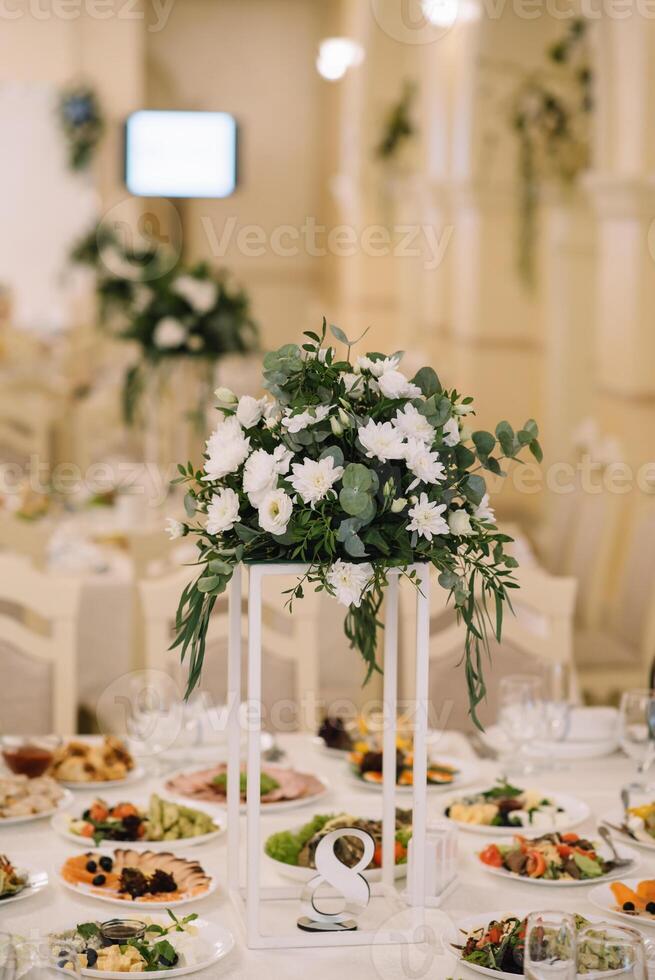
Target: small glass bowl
[(115, 932), (29, 755)]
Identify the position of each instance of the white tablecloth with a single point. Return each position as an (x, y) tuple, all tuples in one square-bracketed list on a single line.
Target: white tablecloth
[(597, 782)]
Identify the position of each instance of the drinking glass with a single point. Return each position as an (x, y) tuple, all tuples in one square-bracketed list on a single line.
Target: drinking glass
[(520, 715), (155, 721), (637, 726), (37, 959), (613, 949), (550, 946), (557, 704)]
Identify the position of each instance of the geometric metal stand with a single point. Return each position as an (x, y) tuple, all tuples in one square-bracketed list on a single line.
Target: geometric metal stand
[(247, 896)]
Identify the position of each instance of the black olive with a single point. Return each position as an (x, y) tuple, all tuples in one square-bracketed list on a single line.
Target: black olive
[(62, 952), (106, 863), (91, 957), (99, 880), (91, 866), (62, 964), (628, 907), (651, 908), (168, 962), (86, 815)]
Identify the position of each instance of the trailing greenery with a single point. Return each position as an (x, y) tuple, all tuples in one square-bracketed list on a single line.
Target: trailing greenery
[(82, 122), (353, 470), (399, 126)]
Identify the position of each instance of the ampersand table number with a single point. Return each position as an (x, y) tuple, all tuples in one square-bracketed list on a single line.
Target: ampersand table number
[(349, 883)]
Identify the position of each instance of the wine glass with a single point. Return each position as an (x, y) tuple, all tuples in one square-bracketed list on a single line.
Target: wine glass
[(520, 715), (557, 704), (155, 720), (612, 948), (37, 959), (550, 946), (637, 726)]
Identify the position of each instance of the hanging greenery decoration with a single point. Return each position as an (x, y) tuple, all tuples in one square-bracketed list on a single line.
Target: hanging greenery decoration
[(398, 127), (83, 124)]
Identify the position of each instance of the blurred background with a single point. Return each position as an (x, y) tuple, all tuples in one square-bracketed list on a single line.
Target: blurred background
[(186, 184)]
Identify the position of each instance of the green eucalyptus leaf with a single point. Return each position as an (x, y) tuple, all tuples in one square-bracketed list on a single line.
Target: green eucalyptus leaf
[(484, 442), (355, 546), (351, 525), (219, 567), (189, 504), (428, 381), (355, 501), (340, 335), (208, 583), (474, 488), (536, 450), (357, 477)]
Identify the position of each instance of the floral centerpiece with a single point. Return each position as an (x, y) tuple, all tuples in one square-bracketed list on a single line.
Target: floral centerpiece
[(82, 122), (353, 469)]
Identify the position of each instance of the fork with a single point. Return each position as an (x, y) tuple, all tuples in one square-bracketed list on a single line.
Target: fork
[(617, 861)]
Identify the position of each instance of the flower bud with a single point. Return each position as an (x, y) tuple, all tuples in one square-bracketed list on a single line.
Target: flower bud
[(225, 396), (345, 418), (336, 426), (399, 504)]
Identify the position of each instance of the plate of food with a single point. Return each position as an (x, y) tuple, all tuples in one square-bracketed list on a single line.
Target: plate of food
[(334, 737), (155, 824), (94, 763), (137, 878), (630, 898), (292, 851), (557, 860), (175, 945), (636, 825), (492, 943), (23, 799), (281, 788), (18, 883), (366, 768), (504, 809)]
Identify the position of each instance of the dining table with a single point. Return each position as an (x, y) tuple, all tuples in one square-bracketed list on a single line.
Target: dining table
[(595, 781)]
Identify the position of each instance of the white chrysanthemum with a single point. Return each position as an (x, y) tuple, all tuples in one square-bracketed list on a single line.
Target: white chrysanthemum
[(169, 333), (394, 384), (451, 432), (413, 425), (200, 294), (141, 297), (484, 511), (350, 581), (459, 522), (174, 529), (250, 410), (313, 479), (300, 421), (377, 367), (275, 512), (426, 518), (354, 384), (222, 511), (227, 448), (381, 440), (262, 470), (425, 465)]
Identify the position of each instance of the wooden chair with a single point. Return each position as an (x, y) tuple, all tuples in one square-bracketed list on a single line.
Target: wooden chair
[(38, 659), (540, 632), (27, 426)]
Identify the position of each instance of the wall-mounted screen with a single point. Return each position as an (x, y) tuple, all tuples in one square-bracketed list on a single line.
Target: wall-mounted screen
[(180, 154)]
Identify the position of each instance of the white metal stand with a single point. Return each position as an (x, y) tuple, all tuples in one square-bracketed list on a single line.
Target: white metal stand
[(247, 897)]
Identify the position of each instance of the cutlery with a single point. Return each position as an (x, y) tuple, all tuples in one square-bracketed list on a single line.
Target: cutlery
[(620, 829), (617, 860)]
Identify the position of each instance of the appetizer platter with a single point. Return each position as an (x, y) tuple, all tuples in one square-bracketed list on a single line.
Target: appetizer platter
[(94, 763), (631, 898), (281, 788), (492, 943), (636, 824), (366, 768), (129, 877), (334, 737), (556, 860), (292, 851), (175, 945), (154, 824), (23, 799), (16, 884), (503, 809)]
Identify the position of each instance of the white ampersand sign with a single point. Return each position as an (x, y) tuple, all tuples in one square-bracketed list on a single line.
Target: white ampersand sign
[(348, 882)]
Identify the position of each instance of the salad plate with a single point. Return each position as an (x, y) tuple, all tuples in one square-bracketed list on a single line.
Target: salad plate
[(61, 801), (504, 810), (631, 899), (641, 821), (17, 884), (135, 775), (444, 771)]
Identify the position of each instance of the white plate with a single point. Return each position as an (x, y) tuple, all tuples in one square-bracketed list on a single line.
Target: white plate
[(603, 899), (37, 881), (624, 852), (576, 811), (571, 749), (615, 817), (468, 772), (275, 807), (455, 935), (133, 776), (319, 743), (64, 802), (60, 823)]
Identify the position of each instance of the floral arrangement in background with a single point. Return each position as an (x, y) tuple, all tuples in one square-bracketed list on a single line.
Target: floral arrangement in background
[(353, 469), (551, 119), (82, 122), (398, 126)]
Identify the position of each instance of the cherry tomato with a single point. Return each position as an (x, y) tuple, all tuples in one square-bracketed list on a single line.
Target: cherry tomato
[(492, 856), (536, 865)]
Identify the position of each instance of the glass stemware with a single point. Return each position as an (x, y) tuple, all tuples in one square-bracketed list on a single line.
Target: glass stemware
[(37, 959), (637, 727), (520, 716), (557, 705), (550, 946), (612, 949)]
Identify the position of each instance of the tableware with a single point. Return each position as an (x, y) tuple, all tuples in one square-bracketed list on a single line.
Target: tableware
[(36, 882), (614, 819), (603, 898), (520, 716), (626, 854), (550, 946), (605, 940), (574, 812), (60, 823), (619, 862), (174, 787), (29, 755), (133, 776), (637, 726), (36, 959), (63, 804), (466, 773)]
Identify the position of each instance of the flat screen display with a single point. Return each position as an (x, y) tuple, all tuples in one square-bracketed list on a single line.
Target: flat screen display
[(180, 154)]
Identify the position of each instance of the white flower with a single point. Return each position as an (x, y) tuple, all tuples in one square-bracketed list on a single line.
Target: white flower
[(425, 465), (141, 297), (226, 449), (354, 384), (223, 511), (200, 294), (225, 396), (459, 522), (413, 425), (394, 384), (426, 518), (451, 432), (313, 479), (484, 512), (398, 505), (296, 423), (250, 410), (381, 440), (350, 581), (378, 367), (169, 332), (261, 472), (463, 409), (275, 512), (195, 342), (174, 529)]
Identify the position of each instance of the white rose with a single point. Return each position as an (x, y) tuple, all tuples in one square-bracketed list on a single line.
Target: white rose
[(459, 522), (275, 512), (225, 396), (169, 333), (223, 511), (261, 472), (250, 411), (227, 448), (398, 505), (174, 529), (200, 294)]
